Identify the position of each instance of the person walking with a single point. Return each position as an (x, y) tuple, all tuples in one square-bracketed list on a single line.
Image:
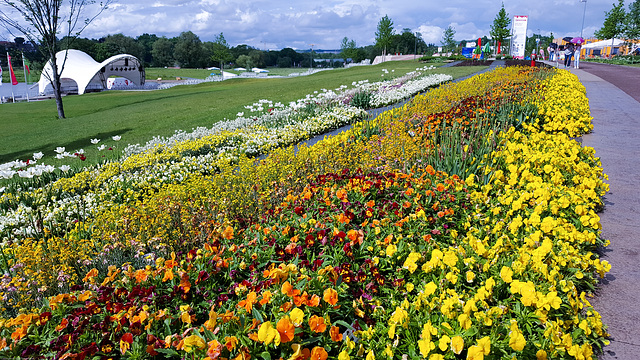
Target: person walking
[(551, 52), (568, 53), (576, 62)]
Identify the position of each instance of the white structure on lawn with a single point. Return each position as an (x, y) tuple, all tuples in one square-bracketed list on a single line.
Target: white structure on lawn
[(82, 73)]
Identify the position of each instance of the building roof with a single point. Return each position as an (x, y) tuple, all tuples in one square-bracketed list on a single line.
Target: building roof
[(82, 71)]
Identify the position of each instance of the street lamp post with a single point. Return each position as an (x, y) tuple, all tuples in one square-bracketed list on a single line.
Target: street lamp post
[(311, 63), (583, 13)]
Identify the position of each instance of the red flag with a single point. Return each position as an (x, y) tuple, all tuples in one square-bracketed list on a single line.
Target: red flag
[(479, 41), (499, 45), (14, 81)]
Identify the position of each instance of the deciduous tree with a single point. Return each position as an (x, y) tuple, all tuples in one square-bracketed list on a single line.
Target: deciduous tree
[(448, 40), (188, 50), (632, 28), (384, 34), (41, 21), (162, 52), (221, 52), (348, 49), (614, 23)]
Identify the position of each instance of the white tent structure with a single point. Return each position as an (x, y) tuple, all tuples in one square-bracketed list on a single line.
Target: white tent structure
[(602, 44), (82, 73)]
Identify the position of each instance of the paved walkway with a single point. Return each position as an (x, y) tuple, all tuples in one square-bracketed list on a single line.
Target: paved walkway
[(614, 95)]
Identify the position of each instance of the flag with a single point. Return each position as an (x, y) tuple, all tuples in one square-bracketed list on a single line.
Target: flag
[(0, 75), (14, 81), (26, 65)]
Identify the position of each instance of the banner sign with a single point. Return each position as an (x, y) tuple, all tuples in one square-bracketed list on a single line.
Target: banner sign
[(519, 37)]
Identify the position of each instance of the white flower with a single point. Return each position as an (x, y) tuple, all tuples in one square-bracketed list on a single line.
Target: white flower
[(2, 189), (81, 151), (116, 137), (60, 149), (65, 168), (60, 156), (7, 174), (37, 156), (95, 141), (102, 147), (240, 114)]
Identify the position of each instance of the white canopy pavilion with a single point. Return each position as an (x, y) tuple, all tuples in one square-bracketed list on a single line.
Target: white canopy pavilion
[(82, 73)]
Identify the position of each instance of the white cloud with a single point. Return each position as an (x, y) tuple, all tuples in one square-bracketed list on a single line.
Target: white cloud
[(280, 23), (431, 34)]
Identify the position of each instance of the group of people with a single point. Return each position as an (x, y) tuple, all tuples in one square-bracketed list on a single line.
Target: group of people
[(571, 50)]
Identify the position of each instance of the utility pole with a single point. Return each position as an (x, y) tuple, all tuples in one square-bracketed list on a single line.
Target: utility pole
[(583, 13)]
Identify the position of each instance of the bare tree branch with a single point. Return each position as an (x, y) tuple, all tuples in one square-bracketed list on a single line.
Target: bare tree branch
[(42, 25)]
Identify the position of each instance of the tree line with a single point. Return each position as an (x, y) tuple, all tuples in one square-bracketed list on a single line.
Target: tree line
[(187, 50)]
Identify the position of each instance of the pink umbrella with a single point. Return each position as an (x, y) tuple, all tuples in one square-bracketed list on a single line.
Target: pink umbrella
[(577, 40)]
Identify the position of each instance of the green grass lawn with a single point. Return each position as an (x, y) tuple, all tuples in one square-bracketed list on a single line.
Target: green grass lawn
[(140, 115), (19, 72), (172, 74)]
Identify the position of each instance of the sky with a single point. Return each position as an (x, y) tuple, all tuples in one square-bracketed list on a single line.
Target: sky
[(302, 24)]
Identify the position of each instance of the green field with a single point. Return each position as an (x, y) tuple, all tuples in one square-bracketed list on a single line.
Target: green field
[(138, 116), (172, 74)]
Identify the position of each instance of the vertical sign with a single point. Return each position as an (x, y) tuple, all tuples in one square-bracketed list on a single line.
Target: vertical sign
[(519, 37)]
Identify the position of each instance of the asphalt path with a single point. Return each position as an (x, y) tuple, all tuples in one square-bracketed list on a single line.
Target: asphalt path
[(614, 101)]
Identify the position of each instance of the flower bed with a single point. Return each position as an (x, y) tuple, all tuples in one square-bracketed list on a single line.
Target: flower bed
[(343, 251)]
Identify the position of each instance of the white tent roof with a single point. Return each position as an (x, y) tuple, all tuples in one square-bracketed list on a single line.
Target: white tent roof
[(83, 71), (602, 44)]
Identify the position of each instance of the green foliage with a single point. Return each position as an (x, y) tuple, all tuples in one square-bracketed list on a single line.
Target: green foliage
[(118, 44), (614, 22), (188, 50), (500, 28), (384, 33), (632, 29), (162, 52), (448, 40), (348, 49), (361, 100), (221, 52)]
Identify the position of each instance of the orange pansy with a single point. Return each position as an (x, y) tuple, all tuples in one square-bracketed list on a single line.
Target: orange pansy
[(230, 342), (335, 334), (301, 300), (266, 297), (63, 324), (317, 324), (313, 301), (286, 329), (288, 289), (319, 353), (19, 333), (184, 282), (141, 275), (248, 303), (90, 275), (330, 296)]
